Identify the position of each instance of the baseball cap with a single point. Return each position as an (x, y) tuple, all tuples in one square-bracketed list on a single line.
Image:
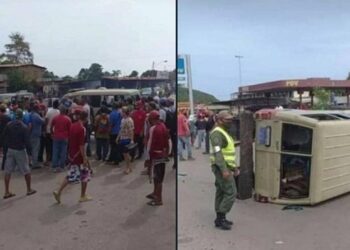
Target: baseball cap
[(154, 115), (224, 115)]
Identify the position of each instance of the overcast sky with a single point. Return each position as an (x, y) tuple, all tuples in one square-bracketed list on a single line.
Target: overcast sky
[(278, 39), (66, 35)]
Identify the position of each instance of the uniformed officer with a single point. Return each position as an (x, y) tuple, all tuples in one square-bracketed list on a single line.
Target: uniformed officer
[(222, 157)]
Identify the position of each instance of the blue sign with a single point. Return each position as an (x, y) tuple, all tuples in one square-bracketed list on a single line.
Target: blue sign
[(181, 66)]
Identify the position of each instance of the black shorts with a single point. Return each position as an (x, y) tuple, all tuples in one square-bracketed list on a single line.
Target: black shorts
[(159, 172), (123, 146)]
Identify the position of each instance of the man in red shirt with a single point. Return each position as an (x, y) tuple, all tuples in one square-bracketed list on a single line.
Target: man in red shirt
[(158, 144), (139, 118), (183, 135), (60, 127), (79, 169)]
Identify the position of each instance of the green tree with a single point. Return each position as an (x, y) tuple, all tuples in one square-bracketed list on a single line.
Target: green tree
[(49, 74), (149, 73), (134, 73), (323, 97), (83, 74), (95, 72), (67, 78), (116, 73), (18, 51), (106, 73), (17, 81)]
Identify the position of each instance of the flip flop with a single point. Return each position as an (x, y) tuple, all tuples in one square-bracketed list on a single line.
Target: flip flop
[(150, 196), (154, 203), (31, 192), (127, 171), (57, 197), (9, 195)]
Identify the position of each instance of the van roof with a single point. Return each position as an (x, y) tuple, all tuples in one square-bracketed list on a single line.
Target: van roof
[(112, 92), (312, 115)]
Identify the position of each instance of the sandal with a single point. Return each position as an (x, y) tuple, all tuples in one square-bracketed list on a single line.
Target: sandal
[(9, 195), (154, 203), (31, 192)]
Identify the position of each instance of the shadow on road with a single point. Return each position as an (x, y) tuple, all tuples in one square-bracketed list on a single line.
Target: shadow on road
[(6, 204), (114, 179), (56, 213), (136, 183), (139, 217)]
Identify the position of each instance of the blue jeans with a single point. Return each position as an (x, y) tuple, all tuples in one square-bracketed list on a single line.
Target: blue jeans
[(59, 153), (101, 148), (201, 136), (184, 140), (35, 143)]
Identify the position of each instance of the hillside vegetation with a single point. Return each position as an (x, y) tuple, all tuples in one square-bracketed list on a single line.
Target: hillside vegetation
[(198, 96)]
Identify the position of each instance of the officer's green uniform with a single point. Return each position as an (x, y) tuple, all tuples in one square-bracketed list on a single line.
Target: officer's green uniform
[(223, 158)]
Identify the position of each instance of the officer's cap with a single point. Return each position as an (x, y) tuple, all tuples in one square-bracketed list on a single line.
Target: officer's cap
[(224, 115)]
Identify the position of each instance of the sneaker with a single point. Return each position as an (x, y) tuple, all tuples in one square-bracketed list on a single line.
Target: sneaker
[(85, 198), (182, 159), (191, 158)]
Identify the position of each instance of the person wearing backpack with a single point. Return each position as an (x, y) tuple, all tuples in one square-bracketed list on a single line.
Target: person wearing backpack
[(102, 130)]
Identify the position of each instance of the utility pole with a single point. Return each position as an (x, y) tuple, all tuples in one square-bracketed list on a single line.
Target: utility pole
[(239, 68), (154, 64), (189, 82)]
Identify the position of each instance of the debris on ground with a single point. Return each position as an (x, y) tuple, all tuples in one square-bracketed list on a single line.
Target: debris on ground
[(293, 207)]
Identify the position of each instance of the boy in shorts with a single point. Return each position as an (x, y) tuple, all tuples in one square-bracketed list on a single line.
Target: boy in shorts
[(16, 140), (79, 169)]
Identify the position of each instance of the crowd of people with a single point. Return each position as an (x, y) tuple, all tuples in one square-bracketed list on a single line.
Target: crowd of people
[(34, 136), (192, 128)]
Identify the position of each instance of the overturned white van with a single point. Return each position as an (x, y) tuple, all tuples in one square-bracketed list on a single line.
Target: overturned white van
[(301, 157)]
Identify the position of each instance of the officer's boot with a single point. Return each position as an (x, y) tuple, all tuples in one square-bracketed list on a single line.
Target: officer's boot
[(228, 221), (221, 223)]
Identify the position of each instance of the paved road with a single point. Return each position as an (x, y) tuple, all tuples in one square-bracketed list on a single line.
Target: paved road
[(117, 218), (257, 226)]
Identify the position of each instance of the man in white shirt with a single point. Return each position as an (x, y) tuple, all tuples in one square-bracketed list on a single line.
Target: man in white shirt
[(87, 109), (51, 113)]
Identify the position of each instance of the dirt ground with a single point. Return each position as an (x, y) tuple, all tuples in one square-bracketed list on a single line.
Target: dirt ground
[(117, 218), (257, 226)]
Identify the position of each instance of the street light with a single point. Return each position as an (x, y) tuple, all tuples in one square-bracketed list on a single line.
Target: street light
[(154, 64), (239, 68)]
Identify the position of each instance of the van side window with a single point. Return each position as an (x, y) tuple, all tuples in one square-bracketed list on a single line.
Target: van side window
[(296, 139)]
